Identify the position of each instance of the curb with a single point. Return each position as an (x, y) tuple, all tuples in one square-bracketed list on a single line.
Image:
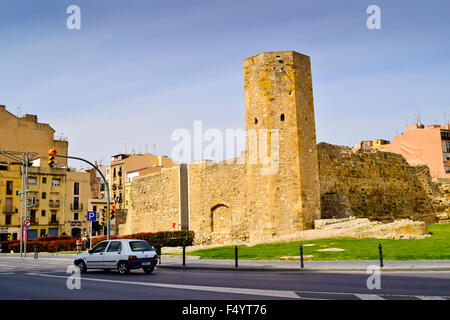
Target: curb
[(266, 269)]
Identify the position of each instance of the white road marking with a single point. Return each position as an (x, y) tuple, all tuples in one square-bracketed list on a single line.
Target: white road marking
[(258, 292), (270, 293), (430, 298), (368, 296)]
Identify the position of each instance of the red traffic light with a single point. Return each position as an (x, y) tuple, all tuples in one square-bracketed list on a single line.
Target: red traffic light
[(52, 152)]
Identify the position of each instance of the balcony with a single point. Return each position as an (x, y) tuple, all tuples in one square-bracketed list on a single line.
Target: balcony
[(54, 222), (53, 203), (76, 206), (9, 209), (34, 221), (33, 203)]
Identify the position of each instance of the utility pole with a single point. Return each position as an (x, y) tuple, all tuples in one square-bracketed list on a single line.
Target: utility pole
[(23, 158)]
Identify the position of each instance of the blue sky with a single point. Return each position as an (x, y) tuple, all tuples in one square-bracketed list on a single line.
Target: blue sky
[(138, 70)]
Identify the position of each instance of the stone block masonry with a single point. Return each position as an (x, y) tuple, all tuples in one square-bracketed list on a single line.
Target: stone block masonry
[(376, 185)]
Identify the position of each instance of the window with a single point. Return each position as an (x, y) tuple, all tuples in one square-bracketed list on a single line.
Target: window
[(53, 219), (8, 219), (44, 195), (76, 203), (56, 182), (44, 180), (446, 157), (42, 233), (76, 216), (33, 216), (43, 213), (115, 246), (256, 121), (446, 146), (100, 247), (447, 169), (32, 181), (282, 117), (140, 246), (94, 208), (76, 188), (9, 187)]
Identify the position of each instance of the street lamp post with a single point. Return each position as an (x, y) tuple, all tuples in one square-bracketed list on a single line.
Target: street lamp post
[(106, 185)]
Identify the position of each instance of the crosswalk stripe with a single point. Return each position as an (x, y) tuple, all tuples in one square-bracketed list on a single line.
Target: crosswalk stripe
[(368, 296), (430, 298)]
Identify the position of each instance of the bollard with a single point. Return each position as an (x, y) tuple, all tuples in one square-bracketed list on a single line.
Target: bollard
[(301, 257), (36, 251), (380, 251), (235, 256), (158, 252), (184, 256)]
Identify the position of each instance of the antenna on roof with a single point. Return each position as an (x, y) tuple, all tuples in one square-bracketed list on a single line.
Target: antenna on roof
[(154, 148), (19, 110), (418, 118)]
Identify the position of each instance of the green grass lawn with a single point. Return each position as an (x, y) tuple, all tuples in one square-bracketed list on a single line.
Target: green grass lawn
[(436, 247)]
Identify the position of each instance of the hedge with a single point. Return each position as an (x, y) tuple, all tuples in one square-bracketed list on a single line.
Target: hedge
[(162, 238), (67, 243), (46, 244)]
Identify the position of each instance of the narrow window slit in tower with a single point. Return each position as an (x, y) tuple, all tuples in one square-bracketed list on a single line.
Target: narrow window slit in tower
[(282, 117), (256, 121)]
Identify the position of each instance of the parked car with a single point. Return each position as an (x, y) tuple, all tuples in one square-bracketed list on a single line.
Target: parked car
[(121, 254)]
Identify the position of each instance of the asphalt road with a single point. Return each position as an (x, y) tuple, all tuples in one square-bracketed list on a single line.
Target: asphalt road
[(47, 279)]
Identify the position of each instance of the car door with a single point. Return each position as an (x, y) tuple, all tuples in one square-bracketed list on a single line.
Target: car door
[(95, 257), (112, 254)]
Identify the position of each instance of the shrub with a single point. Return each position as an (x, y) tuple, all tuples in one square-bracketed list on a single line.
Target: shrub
[(162, 238)]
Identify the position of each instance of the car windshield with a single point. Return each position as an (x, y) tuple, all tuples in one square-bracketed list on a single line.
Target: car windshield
[(140, 246)]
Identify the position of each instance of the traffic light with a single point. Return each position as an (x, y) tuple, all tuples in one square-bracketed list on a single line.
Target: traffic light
[(51, 157), (112, 211), (104, 216)]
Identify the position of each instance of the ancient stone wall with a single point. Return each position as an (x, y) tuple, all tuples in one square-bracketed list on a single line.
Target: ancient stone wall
[(217, 197), (375, 185), (154, 202)]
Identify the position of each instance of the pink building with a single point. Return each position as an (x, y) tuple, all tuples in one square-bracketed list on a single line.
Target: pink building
[(420, 145)]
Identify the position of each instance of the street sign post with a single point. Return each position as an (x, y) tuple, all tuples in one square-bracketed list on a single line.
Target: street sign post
[(91, 216)]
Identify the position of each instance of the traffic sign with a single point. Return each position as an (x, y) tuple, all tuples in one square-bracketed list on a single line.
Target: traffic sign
[(27, 224), (91, 216)]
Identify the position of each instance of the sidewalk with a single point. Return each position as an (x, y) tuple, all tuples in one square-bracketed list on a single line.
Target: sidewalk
[(175, 262), (194, 263)]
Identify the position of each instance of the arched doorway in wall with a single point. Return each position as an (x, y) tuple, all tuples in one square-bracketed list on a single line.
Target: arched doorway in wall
[(76, 232), (221, 221)]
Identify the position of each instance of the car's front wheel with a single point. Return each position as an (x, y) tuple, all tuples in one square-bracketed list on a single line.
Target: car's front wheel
[(148, 269), (123, 267), (82, 265)]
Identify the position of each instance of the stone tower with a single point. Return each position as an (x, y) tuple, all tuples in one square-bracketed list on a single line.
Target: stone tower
[(282, 197)]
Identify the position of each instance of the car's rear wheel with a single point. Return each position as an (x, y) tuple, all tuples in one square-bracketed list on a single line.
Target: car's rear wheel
[(82, 265), (123, 267), (148, 269)]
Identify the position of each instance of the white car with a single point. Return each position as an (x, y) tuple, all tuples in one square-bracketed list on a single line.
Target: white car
[(120, 254)]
